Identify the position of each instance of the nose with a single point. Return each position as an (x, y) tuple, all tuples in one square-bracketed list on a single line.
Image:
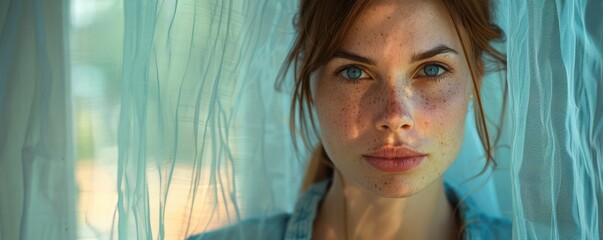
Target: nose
[(395, 114)]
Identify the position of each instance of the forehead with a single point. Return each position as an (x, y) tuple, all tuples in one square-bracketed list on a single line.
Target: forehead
[(401, 28)]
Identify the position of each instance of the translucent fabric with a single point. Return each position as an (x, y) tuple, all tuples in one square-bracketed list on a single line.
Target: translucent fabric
[(159, 119), (555, 52), (37, 186)]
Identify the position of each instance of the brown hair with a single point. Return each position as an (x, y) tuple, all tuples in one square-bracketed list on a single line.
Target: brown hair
[(322, 26)]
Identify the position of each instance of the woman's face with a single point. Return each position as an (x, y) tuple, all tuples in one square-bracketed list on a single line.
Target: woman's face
[(392, 102)]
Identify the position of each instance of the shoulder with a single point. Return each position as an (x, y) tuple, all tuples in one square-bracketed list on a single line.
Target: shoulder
[(482, 226), (296, 225), (272, 227), (476, 224)]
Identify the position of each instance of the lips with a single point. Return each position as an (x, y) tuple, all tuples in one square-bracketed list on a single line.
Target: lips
[(394, 159)]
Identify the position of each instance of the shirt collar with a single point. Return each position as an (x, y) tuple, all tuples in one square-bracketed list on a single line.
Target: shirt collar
[(301, 222)]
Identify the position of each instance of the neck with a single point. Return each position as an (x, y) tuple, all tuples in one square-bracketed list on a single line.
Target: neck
[(425, 215)]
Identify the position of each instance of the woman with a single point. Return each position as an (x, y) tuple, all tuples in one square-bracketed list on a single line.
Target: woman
[(390, 83)]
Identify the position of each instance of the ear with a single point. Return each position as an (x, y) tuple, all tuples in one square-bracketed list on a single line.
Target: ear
[(476, 85), (471, 86)]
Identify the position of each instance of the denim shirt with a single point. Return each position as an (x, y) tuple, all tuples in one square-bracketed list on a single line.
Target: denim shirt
[(298, 225)]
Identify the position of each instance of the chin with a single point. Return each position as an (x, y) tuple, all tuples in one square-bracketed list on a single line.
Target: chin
[(395, 185)]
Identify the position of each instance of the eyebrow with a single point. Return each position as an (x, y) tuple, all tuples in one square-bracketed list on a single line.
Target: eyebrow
[(352, 56), (440, 49)]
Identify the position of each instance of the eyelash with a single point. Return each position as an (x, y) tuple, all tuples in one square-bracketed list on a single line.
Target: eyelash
[(446, 69), (345, 67)]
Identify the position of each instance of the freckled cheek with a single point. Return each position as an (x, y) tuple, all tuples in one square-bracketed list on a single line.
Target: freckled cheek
[(449, 141), (443, 99), (337, 112), (441, 115)]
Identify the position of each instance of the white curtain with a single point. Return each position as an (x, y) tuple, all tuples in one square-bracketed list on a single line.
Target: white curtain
[(159, 119)]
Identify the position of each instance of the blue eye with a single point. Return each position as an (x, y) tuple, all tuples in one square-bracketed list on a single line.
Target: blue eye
[(353, 73), (433, 70)]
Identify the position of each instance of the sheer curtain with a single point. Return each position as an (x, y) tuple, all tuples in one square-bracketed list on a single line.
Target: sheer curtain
[(37, 187), (159, 119), (555, 51)]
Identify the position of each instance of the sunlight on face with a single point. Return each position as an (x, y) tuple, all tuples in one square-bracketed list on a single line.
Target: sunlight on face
[(397, 88)]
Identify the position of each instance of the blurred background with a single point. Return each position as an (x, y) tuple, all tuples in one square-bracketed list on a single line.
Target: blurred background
[(159, 119)]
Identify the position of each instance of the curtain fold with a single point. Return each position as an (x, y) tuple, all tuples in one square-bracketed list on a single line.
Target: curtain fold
[(37, 184), (166, 114), (556, 78), (203, 135)]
